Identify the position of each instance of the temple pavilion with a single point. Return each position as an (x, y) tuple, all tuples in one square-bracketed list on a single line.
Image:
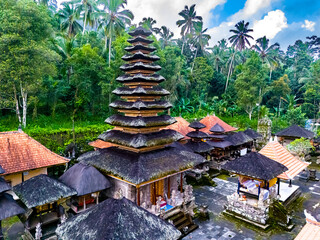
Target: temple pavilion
[(258, 183), (141, 166), (286, 136)]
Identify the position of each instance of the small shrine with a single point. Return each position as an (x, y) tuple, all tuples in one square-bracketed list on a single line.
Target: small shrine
[(141, 165), (258, 184), (286, 136)]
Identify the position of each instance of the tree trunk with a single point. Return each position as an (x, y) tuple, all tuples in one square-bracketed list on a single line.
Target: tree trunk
[(194, 60), (250, 114), (85, 21), (17, 104), (270, 74), (109, 51), (24, 107), (229, 72), (105, 42), (1, 234), (182, 45)]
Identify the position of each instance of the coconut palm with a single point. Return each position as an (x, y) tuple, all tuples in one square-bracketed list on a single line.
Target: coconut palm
[(190, 17), (114, 19), (148, 24), (239, 41), (268, 54), (87, 7), (200, 40), (165, 36), (68, 16)]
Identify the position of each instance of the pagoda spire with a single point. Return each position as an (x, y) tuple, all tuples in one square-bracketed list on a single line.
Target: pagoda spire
[(138, 124)]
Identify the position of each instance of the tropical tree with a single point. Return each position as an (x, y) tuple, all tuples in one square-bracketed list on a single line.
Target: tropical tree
[(148, 24), (115, 19), (165, 36), (68, 16), (200, 40), (190, 17), (268, 54), (239, 41), (88, 7)]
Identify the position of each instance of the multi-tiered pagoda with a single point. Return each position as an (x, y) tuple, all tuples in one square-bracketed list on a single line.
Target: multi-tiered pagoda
[(140, 164)]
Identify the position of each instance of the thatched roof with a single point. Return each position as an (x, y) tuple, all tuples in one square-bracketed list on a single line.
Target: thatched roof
[(218, 136), (140, 31), (217, 128), (197, 134), (140, 91), (9, 207), (139, 39), (140, 66), (138, 168), (199, 147), (140, 140), (19, 152), (137, 105), (141, 78), (41, 190), (4, 186), (116, 219), (140, 122), (1, 170), (180, 146), (140, 55), (223, 144), (255, 165), (253, 134), (197, 125), (295, 131), (84, 179), (239, 138), (140, 47), (212, 120)]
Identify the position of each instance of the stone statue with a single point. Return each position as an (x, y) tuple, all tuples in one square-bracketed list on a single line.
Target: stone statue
[(119, 194), (38, 234), (158, 203), (173, 197)]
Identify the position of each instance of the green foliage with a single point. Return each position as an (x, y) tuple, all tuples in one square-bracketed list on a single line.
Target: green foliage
[(295, 116), (300, 147)]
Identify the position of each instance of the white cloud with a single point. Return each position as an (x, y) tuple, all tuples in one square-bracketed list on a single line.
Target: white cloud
[(165, 12), (270, 25), (309, 25)]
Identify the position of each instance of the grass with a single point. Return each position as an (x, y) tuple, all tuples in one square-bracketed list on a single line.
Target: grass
[(7, 223)]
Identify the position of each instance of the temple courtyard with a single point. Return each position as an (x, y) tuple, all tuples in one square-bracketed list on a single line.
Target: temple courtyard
[(221, 227)]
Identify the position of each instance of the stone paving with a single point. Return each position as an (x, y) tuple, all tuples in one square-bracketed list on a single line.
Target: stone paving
[(220, 228)]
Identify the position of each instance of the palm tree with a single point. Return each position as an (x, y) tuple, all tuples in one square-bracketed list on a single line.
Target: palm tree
[(268, 54), (200, 40), (87, 7), (115, 19), (165, 36), (190, 17), (148, 24), (239, 40), (68, 17)]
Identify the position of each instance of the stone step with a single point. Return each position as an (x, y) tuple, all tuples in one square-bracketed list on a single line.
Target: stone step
[(176, 216), (180, 221)]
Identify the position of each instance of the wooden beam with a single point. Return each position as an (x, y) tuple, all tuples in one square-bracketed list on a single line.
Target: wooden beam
[(169, 195), (181, 182), (138, 196)]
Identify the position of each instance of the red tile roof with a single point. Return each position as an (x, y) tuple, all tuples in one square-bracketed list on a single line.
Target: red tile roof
[(310, 231), (181, 126), (212, 120), (19, 152), (100, 144), (277, 152)]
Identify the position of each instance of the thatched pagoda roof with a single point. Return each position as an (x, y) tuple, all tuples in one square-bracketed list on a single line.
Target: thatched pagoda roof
[(221, 144), (115, 219), (140, 39), (141, 105), (197, 125), (138, 168), (140, 78), (180, 146), (19, 152), (199, 147), (219, 136), (217, 128), (295, 131), (140, 140), (41, 190), (4, 186), (197, 134), (140, 122), (255, 165), (140, 91), (84, 179), (140, 66), (253, 134), (140, 47), (212, 120), (140, 55), (239, 138), (1, 170), (9, 207), (140, 31)]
